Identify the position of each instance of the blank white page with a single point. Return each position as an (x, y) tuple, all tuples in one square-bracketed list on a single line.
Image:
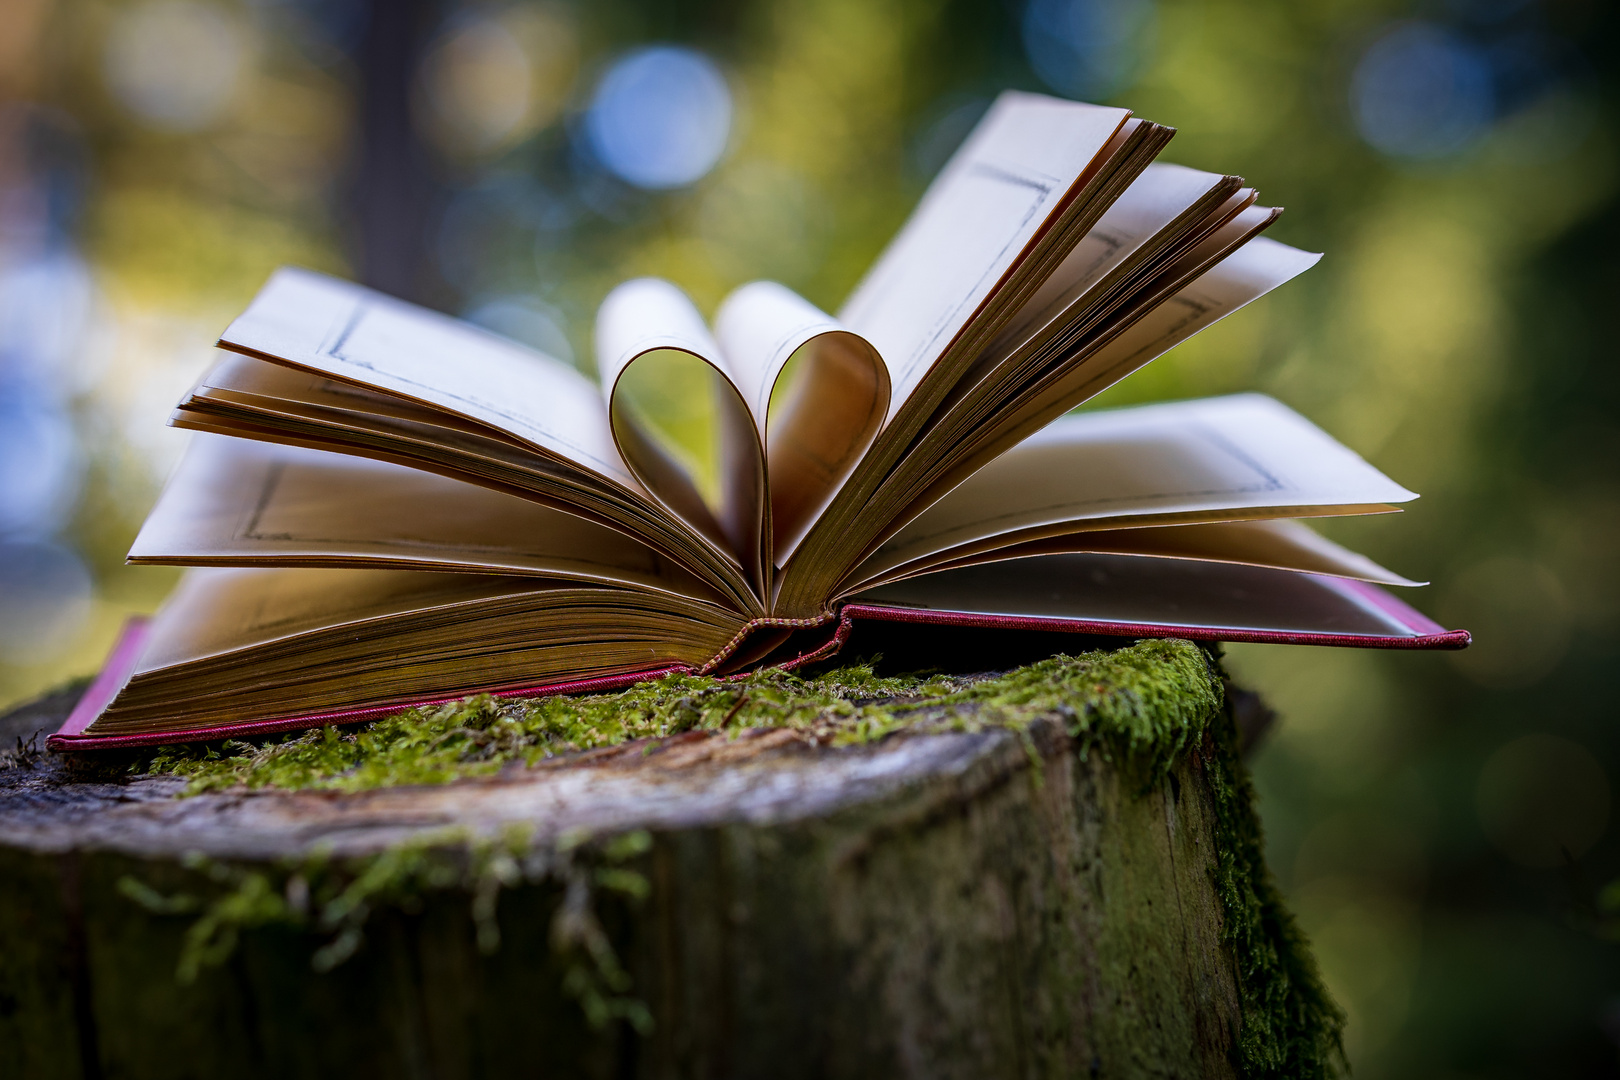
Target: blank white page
[(1204, 597), (351, 333), (1221, 455), (991, 200)]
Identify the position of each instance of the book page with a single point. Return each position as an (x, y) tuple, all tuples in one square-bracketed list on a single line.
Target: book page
[(817, 392), (645, 315), (1164, 202), (356, 335), (779, 463), (239, 645), (1282, 544), (1166, 217), (1243, 276), (977, 218), (218, 610), (1078, 340), (648, 324), (298, 407), (1011, 204), (235, 502), (1153, 592), (238, 374), (253, 399), (1228, 456)]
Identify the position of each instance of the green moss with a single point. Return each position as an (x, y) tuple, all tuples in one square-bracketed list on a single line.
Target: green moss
[(1151, 700), (1146, 706), (1291, 1026)]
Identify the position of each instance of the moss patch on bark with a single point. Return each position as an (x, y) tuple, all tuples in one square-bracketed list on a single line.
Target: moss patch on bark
[(1150, 701)]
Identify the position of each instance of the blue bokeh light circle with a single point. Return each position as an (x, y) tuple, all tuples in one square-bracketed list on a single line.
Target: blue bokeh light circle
[(660, 117), (45, 597), (1086, 48), (1422, 92)]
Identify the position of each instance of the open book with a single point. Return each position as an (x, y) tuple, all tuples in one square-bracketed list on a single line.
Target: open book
[(392, 507)]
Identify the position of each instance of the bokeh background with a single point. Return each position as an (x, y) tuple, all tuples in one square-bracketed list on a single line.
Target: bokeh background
[(1441, 824)]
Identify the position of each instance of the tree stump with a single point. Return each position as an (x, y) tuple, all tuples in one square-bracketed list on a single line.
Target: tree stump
[(1056, 872)]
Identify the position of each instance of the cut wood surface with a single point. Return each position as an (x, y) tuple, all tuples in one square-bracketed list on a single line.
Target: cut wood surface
[(1054, 872)]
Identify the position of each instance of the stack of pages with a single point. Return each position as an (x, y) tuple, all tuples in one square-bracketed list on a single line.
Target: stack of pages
[(389, 506)]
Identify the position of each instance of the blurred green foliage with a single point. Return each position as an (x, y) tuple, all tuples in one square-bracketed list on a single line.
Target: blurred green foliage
[(1442, 824)]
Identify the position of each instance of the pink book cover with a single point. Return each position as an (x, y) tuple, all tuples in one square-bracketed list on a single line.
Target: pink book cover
[(1407, 628)]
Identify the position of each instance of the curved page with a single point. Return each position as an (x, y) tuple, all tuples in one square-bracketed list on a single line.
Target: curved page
[(1281, 543), (1243, 276), (351, 333), (1021, 192), (797, 400), (1005, 406), (647, 329), (241, 503), (1143, 595), (255, 399), (818, 394), (992, 200), (236, 646), (1170, 225), (1164, 210), (1222, 458)]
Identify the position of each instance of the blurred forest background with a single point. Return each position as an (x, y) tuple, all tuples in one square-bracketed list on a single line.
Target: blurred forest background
[(1440, 823)]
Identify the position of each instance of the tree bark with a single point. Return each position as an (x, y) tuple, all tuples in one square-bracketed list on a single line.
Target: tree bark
[(962, 904)]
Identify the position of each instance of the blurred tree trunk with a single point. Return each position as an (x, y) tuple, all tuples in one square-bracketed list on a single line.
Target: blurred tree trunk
[(393, 196)]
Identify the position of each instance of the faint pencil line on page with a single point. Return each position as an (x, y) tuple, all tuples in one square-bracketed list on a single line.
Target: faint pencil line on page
[(335, 350), (272, 480), (580, 453)]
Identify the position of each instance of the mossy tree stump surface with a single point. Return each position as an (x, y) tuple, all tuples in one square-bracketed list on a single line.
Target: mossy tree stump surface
[(1051, 872)]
